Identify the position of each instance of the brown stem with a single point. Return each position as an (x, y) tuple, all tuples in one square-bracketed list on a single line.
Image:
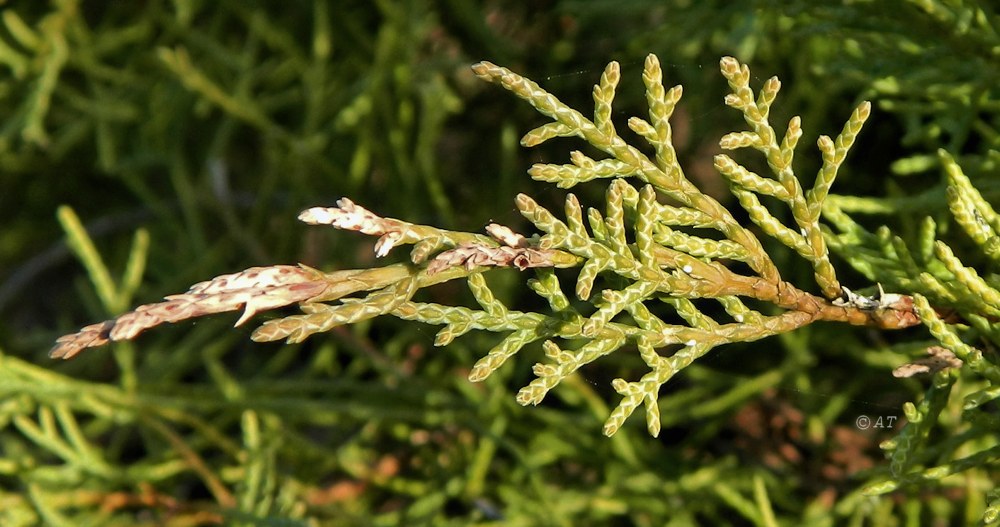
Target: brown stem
[(712, 279)]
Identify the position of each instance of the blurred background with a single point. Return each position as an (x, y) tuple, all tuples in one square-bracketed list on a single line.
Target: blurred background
[(209, 125)]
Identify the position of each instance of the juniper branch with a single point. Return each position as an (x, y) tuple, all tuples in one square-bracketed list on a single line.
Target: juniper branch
[(659, 251)]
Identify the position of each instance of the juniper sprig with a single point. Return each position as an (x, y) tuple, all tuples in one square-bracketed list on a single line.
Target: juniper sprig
[(658, 250)]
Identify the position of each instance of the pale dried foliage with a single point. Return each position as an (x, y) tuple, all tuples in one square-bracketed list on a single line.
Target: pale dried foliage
[(937, 359), (516, 252), (471, 256), (349, 216), (263, 288), (255, 289)]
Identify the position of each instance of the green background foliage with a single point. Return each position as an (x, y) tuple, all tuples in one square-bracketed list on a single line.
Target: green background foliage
[(187, 135)]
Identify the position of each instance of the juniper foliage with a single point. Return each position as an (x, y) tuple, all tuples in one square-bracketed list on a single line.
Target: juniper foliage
[(650, 240), (655, 247), (628, 284)]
